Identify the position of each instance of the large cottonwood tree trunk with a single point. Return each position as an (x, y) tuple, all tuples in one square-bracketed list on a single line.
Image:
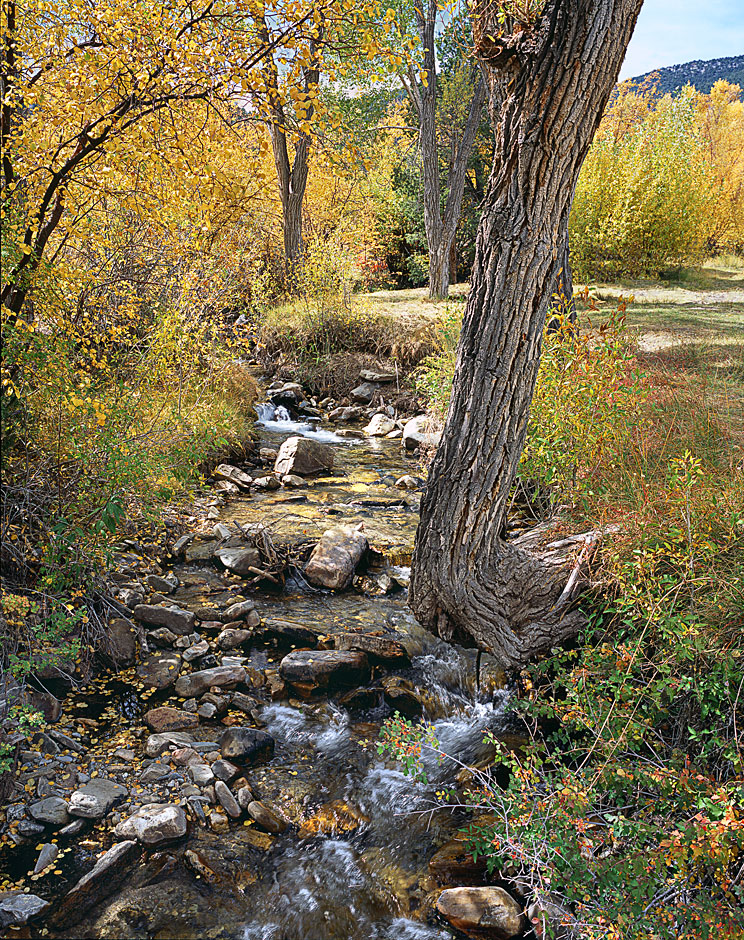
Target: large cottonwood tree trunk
[(549, 84), (441, 224)]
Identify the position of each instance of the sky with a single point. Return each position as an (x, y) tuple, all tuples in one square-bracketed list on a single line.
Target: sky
[(669, 32)]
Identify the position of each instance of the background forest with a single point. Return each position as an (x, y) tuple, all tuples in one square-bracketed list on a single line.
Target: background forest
[(192, 192)]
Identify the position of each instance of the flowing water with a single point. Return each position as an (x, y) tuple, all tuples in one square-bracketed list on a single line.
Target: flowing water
[(362, 872)]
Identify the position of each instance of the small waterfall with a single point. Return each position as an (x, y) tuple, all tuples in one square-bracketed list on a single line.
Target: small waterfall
[(277, 418)]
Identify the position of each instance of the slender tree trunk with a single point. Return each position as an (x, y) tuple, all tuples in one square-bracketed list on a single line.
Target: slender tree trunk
[(549, 86), (441, 226)]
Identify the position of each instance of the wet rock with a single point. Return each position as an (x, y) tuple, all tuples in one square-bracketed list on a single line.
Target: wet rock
[(161, 637), (375, 375), (51, 811), (219, 822), (195, 651), (364, 393), (418, 432), (482, 913), (240, 610), (72, 829), (453, 863), (246, 746), (401, 696), (407, 482), (47, 855), (201, 549), (361, 699), (381, 648), (166, 718), (290, 394), (303, 456), (157, 744), (350, 413), (292, 480), (289, 633), (181, 544), (231, 639), (379, 426), (244, 796), (226, 471), (350, 433), (377, 586), (309, 671), (225, 770), (155, 773), (269, 482), (335, 558), (201, 774), (244, 703), (29, 830), (159, 670), (225, 676), (239, 559), (96, 798), (200, 867), (176, 619), (163, 585), (154, 824), (125, 754), (267, 817), (209, 614), (18, 908), (332, 819), (120, 642), (226, 799)]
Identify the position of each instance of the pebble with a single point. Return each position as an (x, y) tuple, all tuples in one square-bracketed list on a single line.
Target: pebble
[(228, 801)]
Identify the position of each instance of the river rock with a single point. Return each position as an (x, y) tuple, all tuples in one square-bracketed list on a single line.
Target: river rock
[(289, 633), (376, 375), (51, 811), (198, 682), (176, 619), (47, 855), (482, 912), (95, 798), (239, 560), (292, 480), (241, 610), (267, 817), (226, 799), (303, 456), (246, 746), (552, 921), (159, 670), (454, 863), (402, 697), (166, 718), (195, 651), (407, 482), (382, 648), (225, 770), (17, 908), (230, 639), (332, 819), (364, 393), (350, 413), (226, 471), (335, 557), (101, 881), (162, 584), (201, 549), (120, 642), (309, 671), (158, 744), (379, 426), (154, 824), (418, 433), (201, 774)]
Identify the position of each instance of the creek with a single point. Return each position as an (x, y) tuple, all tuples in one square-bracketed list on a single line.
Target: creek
[(364, 875)]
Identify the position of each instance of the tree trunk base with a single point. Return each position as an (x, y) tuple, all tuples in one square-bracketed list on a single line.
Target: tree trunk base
[(517, 605)]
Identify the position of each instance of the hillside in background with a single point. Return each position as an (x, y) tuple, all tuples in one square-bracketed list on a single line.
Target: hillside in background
[(701, 74)]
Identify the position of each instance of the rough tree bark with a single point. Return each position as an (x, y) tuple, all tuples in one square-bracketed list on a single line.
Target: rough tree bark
[(549, 83), (441, 227)]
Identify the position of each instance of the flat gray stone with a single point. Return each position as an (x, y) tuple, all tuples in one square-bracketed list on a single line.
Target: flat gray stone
[(19, 908), (96, 798), (52, 811), (199, 682)]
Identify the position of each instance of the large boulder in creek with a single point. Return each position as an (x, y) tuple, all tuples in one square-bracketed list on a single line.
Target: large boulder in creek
[(224, 677), (379, 426), (154, 823), (159, 670), (382, 648), (166, 718), (17, 908), (303, 456), (418, 432), (335, 558), (239, 559), (482, 913), (309, 671), (95, 799), (101, 881), (246, 746), (177, 620)]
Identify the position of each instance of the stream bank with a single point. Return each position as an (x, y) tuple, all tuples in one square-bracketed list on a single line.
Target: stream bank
[(232, 781)]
